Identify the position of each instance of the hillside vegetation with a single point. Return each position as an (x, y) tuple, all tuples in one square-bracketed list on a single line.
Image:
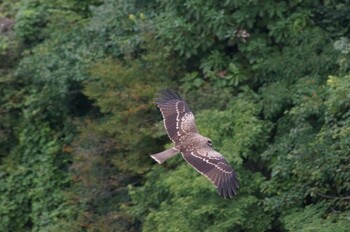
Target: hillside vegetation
[(268, 81)]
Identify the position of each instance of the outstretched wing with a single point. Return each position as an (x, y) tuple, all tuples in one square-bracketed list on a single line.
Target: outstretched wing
[(214, 166), (178, 119)]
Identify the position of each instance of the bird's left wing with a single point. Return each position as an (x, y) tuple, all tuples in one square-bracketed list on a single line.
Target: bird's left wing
[(213, 165), (178, 118)]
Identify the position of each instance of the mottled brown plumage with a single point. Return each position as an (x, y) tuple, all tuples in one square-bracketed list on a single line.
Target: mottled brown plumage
[(179, 123)]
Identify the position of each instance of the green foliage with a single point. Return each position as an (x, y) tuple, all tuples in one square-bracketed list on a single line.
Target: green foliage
[(36, 19), (30, 20), (123, 112), (123, 89), (34, 167), (9, 7), (9, 46), (268, 82), (32, 180), (311, 219), (186, 204), (99, 189), (235, 129), (127, 108)]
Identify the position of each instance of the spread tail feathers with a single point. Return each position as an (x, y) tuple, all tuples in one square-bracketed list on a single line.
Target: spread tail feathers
[(164, 155)]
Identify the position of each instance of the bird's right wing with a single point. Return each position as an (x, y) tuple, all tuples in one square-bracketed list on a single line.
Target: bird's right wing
[(214, 166), (178, 118)]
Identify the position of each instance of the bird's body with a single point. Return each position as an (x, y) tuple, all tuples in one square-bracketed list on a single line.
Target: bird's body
[(179, 123)]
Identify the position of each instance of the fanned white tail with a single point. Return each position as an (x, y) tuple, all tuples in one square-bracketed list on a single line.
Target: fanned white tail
[(164, 155)]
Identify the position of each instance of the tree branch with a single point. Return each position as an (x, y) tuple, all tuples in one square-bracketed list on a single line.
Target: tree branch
[(332, 197)]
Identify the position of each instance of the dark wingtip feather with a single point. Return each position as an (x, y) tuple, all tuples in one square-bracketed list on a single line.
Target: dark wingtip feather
[(228, 187), (166, 95)]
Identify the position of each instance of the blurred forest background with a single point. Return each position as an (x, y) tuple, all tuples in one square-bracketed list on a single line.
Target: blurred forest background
[(268, 81)]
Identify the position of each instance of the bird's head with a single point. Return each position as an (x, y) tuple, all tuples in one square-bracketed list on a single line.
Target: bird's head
[(209, 142), (206, 141)]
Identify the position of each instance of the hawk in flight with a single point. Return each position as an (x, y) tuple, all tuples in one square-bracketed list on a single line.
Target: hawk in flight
[(196, 149)]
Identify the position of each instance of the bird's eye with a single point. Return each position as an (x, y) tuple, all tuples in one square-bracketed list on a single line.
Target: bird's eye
[(210, 143)]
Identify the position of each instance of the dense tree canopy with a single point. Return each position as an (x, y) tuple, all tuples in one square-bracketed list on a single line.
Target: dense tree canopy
[(268, 81)]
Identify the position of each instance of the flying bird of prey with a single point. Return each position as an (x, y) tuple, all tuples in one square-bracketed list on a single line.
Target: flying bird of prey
[(196, 149)]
